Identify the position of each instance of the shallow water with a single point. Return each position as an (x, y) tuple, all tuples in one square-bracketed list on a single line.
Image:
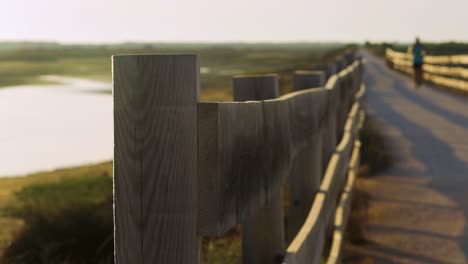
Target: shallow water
[(43, 127)]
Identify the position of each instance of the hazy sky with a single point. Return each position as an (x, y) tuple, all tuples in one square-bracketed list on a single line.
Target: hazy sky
[(236, 20)]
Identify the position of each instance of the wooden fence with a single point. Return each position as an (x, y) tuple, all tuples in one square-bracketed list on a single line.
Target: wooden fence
[(446, 71), (185, 169)]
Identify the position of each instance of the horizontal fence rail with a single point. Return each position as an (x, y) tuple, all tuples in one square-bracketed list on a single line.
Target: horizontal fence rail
[(334, 193), (447, 71), (184, 169)]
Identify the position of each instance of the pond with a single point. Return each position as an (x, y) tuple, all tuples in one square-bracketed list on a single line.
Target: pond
[(43, 127)]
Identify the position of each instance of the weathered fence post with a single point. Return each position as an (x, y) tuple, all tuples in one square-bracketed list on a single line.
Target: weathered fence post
[(330, 131), (262, 233), (306, 169), (155, 158), (308, 79)]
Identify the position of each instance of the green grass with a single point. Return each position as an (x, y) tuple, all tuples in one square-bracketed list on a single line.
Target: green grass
[(68, 221), (48, 199)]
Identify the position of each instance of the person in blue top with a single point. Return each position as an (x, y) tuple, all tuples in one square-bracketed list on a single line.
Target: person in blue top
[(417, 51)]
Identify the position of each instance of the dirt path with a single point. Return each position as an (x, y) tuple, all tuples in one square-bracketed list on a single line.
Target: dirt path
[(418, 209)]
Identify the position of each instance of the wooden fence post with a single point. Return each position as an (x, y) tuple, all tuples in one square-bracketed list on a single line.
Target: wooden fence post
[(306, 169), (330, 131), (155, 158), (262, 233), (308, 79)]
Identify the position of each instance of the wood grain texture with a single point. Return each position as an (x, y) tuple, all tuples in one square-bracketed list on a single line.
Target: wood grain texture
[(278, 138), (330, 132), (307, 113), (155, 158), (333, 197), (304, 183), (308, 245), (231, 160), (184, 169), (255, 87), (307, 110), (249, 139), (262, 231)]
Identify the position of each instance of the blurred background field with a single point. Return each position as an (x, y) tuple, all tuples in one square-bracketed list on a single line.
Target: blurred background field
[(25, 63)]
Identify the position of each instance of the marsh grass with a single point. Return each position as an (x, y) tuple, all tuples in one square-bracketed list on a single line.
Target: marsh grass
[(11, 224), (65, 219)]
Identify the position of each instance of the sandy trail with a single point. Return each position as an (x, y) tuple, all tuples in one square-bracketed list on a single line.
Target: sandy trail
[(418, 208)]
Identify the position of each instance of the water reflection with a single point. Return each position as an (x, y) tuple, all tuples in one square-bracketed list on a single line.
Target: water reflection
[(43, 127)]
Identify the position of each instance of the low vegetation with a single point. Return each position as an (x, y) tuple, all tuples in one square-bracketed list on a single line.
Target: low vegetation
[(69, 221)]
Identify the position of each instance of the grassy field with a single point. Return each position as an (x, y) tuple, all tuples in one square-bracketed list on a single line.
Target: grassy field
[(37, 208)]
